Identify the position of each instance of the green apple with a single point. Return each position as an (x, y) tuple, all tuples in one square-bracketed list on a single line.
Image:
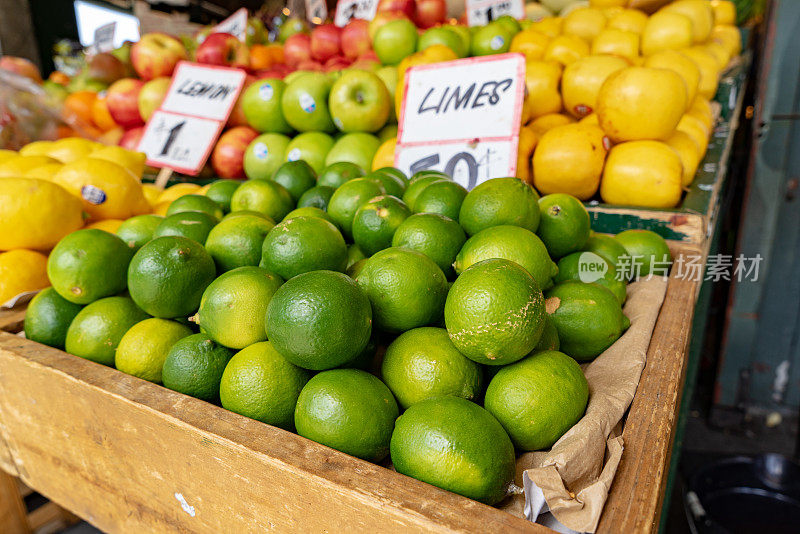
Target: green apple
[(358, 148), (289, 78), (394, 41), (442, 36), (261, 103), (387, 132), (312, 147), (264, 155), (463, 32), (305, 103), (255, 33), (390, 78), (494, 38), (291, 26), (359, 102), (510, 23)]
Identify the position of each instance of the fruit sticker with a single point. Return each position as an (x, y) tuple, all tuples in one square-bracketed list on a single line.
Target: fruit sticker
[(294, 154), (482, 12), (497, 42), (93, 195), (307, 103), (260, 151), (265, 92)]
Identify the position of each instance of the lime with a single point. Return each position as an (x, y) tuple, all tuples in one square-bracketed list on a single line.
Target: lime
[(236, 241), (48, 317), (443, 197), (589, 267), (194, 367), (436, 236), (199, 203), (375, 223), (406, 289), (456, 445), (143, 348), (221, 192), (192, 225), (309, 211), (426, 173), (296, 176), (348, 198), (648, 251), (355, 269), (97, 329), (138, 230), (510, 243), (261, 384), (348, 410), (564, 226), (319, 320), (338, 173), (168, 275), (365, 359), (500, 201), (233, 309), (265, 196), (588, 318), (606, 247), (538, 399), (316, 197), (301, 245), (423, 363), (354, 254), (239, 213), (393, 182), (549, 339), (419, 182), (89, 264), (495, 312)]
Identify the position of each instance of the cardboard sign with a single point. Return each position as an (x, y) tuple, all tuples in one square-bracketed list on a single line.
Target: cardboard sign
[(235, 25), (104, 37), (181, 134), (462, 117), (481, 12), (346, 10), (316, 11)]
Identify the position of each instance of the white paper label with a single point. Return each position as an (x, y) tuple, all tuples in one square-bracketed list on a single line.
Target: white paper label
[(180, 142), (235, 25), (204, 91), (481, 12), (347, 10), (104, 37), (317, 11)]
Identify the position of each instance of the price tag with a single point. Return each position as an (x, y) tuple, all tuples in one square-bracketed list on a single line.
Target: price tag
[(235, 25), (104, 37), (462, 118), (481, 12), (346, 10), (202, 90), (316, 11)]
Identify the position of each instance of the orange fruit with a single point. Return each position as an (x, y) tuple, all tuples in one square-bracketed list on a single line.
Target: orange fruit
[(79, 106), (101, 117)]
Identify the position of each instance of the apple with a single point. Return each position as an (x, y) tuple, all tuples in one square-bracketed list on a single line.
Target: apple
[(494, 38), (255, 33), (355, 38), (336, 63), (387, 132), (305, 102), (310, 66), (291, 26), (21, 66), (151, 96), (429, 13), (130, 139), (297, 49), (228, 155), (443, 36), (326, 40), (112, 136), (463, 32), (395, 40), (380, 19), (105, 68), (312, 147), (58, 77), (122, 99), (358, 148), (223, 49), (406, 7), (369, 64), (390, 79), (261, 103), (264, 155), (156, 54), (359, 102)]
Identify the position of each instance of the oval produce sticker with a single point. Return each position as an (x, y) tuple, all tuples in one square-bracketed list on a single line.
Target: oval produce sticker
[(93, 195)]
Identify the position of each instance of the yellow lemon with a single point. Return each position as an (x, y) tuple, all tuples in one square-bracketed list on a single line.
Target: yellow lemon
[(109, 225), (384, 157), (709, 70), (679, 63), (719, 52), (21, 271), (616, 43), (565, 49), (607, 3), (530, 43), (71, 149), (527, 142), (569, 159), (151, 193), (729, 37), (699, 12), (44, 172), (19, 166), (178, 190), (590, 120), (36, 148), (642, 173), (696, 129), (6, 154), (541, 81), (689, 153), (525, 115), (202, 191), (582, 80), (584, 22), (550, 26), (629, 20), (131, 160), (666, 31), (546, 122), (701, 108), (36, 213), (724, 12), (161, 208)]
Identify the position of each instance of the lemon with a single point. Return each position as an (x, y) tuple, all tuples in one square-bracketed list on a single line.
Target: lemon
[(36, 148), (18, 166), (546, 122), (550, 26), (584, 22), (21, 271), (44, 172), (71, 149), (696, 129), (109, 225), (724, 13), (709, 70), (178, 190), (530, 43), (629, 20), (582, 80), (689, 153), (565, 49), (384, 157), (615, 42), (642, 173), (133, 161), (701, 108), (699, 12), (527, 143), (6, 154), (152, 193), (569, 159), (666, 31), (541, 81), (685, 67), (719, 52), (729, 37)]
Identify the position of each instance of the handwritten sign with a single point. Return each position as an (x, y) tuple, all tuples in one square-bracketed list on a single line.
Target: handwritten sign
[(181, 134), (104, 37), (235, 25), (316, 11), (462, 117), (481, 12), (346, 10)]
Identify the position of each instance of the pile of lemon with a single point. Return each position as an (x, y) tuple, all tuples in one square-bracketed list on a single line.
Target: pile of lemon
[(619, 101)]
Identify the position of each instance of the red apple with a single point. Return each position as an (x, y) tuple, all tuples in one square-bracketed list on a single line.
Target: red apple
[(21, 66), (310, 65), (297, 49), (406, 7), (337, 63), (122, 100), (130, 139), (228, 156), (429, 13), (223, 49), (355, 38), (326, 42), (156, 55), (151, 96), (381, 18), (366, 63), (237, 117), (369, 56)]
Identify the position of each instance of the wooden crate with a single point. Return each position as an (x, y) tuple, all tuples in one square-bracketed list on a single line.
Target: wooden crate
[(128, 455)]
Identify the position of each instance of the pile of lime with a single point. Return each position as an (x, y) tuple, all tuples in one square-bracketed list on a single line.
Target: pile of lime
[(271, 298)]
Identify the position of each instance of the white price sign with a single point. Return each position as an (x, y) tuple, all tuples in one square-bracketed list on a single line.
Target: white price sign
[(202, 90), (481, 12), (462, 117), (316, 11), (104, 37), (346, 10), (235, 25)]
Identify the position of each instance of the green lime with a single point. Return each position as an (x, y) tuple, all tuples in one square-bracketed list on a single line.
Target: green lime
[(443, 197), (89, 264), (423, 363), (48, 317), (589, 267), (144, 347), (456, 445), (301, 245), (588, 318), (348, 410), (221, 192), (233, 309), (419, 182), (296, 176), (436, 236), (426, 173), (549, 339), (606, 247), (495, 312), (336, 174), (406, 289), (565, 225), (194, 367), (365, 359), (348, 198), (309, 211), (138, 230), (261, 384), (168, 275), (648, 252), (354, 254), (239, 213), (319, 320), (193, 225), (236, 241), (376, 221), (264, 196), (395, 185), (316, 197), (97, 329), (500, 201), (199, 203), (510, 23), (538, 399), (512, 243)]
